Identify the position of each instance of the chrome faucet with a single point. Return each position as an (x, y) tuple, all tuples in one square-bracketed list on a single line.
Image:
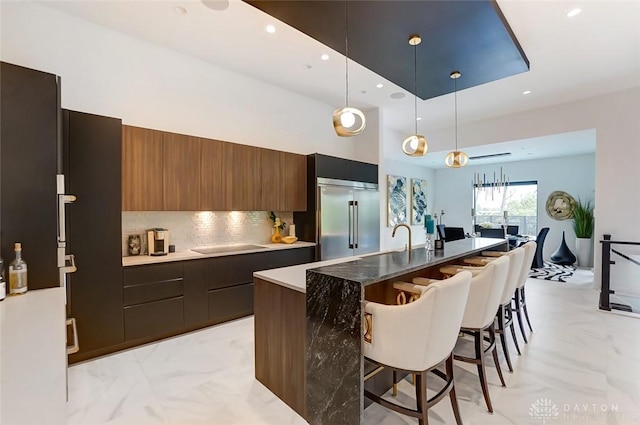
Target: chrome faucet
[(393, 234)]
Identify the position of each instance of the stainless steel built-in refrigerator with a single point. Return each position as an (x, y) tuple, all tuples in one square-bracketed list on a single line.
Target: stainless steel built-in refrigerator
[(348, 218)]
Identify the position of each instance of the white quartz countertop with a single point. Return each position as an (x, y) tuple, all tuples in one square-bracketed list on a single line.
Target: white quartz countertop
[(136, 260), (295, 277), (33, 358)]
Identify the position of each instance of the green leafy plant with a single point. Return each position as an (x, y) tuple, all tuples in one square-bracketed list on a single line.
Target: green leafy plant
[(277, 222), (583, 219)]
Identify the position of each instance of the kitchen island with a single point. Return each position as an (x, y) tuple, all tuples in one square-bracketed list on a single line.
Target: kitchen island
[(308, 330)]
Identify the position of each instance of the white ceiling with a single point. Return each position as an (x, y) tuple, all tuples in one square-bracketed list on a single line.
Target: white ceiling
[(594, 53)]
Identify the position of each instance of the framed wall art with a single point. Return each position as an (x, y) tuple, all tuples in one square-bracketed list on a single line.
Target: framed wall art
[(418, 201), (396, 200)]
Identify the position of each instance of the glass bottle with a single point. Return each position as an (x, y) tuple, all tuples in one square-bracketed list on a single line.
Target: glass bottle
[(18, 273), (3, 284)]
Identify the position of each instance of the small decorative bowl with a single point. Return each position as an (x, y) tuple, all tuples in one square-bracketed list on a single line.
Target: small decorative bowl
[(289, 239)]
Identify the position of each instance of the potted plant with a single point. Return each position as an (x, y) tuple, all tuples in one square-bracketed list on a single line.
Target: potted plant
[(583, 228)]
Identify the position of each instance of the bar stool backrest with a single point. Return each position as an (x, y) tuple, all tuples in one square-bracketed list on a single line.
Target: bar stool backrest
[(421, 334), (516, 259), (529, 252), (485, 293)]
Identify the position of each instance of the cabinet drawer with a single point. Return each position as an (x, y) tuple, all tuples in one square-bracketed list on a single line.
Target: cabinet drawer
[(230, 303), (236, 269), (156, 291), (154, 273), (291, 257), (155, 318)]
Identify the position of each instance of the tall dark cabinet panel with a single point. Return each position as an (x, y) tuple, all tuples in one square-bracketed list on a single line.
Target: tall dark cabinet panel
[(93, 173), (319, 165), (28, 151)]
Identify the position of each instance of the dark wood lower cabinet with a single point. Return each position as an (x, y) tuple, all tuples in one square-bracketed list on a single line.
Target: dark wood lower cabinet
[(154, 318), (163, 300), (230, 303), (196, 286)]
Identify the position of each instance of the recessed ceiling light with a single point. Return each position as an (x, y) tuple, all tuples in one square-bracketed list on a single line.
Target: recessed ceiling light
[(418, 119), (325, 57), (217, 5), (379, 85), (526, 92), (180, 10), (574, 12), (397, 95), (271, 29)]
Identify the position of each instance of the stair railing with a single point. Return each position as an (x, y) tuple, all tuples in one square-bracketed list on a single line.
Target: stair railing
[(605, 283)]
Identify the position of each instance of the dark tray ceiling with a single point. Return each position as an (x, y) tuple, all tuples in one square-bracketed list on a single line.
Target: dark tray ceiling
[(470, 36)]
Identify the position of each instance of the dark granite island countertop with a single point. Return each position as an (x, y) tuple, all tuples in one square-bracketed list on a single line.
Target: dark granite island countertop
[(334, 361), (375, 268)]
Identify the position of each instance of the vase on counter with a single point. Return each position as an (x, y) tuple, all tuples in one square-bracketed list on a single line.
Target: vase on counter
[(276, 237)]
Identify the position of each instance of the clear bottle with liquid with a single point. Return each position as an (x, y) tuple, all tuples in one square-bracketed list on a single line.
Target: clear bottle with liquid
[(18, 273)]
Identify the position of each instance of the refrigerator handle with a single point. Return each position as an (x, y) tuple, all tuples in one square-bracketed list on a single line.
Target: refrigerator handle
[(351, 218), (356, 225)]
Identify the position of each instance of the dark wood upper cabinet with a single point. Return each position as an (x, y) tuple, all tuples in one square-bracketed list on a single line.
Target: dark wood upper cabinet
[(294, 181), (246, 178), (272, 194), (216, 186), (142, 169), (181, 172), (283, 180), (172, 172)]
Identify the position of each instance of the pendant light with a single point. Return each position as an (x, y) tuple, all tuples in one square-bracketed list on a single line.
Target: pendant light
[(456, 159), (347, 121), (416, 144)]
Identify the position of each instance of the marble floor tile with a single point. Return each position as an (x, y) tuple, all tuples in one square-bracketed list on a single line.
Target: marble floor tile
[(580, 368)]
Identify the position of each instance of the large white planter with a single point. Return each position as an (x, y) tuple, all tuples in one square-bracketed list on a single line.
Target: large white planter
[(584, 254)]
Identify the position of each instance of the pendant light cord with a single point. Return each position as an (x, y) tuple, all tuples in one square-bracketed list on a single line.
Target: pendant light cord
[(415, 86), (346, 53), (455, 103)]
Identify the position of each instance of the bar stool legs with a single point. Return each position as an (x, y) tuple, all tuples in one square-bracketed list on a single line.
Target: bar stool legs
[(505, 319), (479, 360), (520, 302), (422, 402), (524, 307)]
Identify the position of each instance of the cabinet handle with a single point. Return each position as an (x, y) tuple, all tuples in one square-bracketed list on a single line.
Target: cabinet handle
[(74, 347), (351, 218)]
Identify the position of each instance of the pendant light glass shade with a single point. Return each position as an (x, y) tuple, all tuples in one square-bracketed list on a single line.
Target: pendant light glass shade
[(345, 120), (456, 159), (348, 121), (416, 144)]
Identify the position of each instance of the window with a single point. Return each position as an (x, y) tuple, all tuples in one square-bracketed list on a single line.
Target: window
[(519, 200)]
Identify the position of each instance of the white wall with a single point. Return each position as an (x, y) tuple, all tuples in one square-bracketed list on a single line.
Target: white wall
[(109, 73), (574, 175), (409, 169), (615, 119)]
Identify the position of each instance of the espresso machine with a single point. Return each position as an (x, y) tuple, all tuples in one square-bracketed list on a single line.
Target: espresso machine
[(158, 241)]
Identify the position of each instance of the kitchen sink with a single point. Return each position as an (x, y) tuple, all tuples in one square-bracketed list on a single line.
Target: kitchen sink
[(229, 248)]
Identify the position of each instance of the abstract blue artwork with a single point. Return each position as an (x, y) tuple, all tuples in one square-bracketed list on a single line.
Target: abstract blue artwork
[(418, 201), (396, 200)]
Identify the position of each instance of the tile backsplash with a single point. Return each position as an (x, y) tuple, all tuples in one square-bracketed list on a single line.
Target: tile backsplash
[(189, 229)]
